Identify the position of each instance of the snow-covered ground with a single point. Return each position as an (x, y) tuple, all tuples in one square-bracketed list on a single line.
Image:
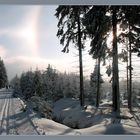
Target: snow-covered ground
[(97, 122), (71, 119), (13, 119)]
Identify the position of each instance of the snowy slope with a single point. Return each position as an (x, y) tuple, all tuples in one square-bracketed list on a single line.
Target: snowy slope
[(97, 122), (52, 128)]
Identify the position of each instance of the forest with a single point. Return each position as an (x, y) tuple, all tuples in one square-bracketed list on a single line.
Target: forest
[(76, 24)]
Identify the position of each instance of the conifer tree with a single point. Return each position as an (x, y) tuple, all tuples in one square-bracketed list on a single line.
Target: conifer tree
[(26, 85), (3, 75), (15, 84), (95, 82), (38, 83), (50, 85), (99, 22), (130, 25), (71, 30)]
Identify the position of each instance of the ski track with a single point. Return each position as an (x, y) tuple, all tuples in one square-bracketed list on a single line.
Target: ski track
[(12, 120)]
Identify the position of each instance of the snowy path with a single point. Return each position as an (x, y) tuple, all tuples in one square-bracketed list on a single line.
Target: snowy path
[(13, 121)]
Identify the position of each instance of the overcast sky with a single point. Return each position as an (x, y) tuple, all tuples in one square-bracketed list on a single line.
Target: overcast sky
[(28, 40)]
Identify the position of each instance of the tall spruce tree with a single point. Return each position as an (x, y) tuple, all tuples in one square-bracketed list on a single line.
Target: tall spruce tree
[(97, 25), (26, 85), (100, 21), (38, 83), (71, 30), (3, 74), (50, 85), (95, 82), (115, 77), (131, 28)]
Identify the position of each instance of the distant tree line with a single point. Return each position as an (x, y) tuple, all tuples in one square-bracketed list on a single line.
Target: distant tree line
[(51, 85)]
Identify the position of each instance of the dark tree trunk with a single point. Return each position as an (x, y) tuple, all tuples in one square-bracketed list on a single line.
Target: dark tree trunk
[(115, 82), (98, 84), (127, 74), (130, 75), (80, 63)]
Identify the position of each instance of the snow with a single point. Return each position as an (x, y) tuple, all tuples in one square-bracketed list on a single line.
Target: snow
[(22, 103), (110, 129), (106, 103), (52, 128), (96, 121), (15, 121), (71, 114), (76, 120)]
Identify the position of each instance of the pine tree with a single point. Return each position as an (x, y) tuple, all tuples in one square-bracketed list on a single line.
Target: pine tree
[(130, 25), (115, 71), (98, 25), (71, 30), (50, 77), (60, 86), (71, 86), (26, 85), (38, 83), (3, 75), (99, 21), (95, 82), (15, 84)]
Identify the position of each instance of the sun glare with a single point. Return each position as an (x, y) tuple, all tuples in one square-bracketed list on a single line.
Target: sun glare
[(110, 38), (28, 31), (29, 35)]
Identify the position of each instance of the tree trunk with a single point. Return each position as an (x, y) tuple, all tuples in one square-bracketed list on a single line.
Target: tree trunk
[(130, 76), (115, 82), (127, 74), (98, 84), (80, 63)]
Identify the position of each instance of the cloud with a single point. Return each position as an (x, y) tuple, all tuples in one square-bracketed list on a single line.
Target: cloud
[(26, 31), (34, 62), (2, 51), (18, 64)]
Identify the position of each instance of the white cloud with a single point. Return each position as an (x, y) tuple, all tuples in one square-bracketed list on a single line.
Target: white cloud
[(34, 62), (26, 31), (2, 51)]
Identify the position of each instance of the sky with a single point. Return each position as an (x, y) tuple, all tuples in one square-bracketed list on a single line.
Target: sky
[(28, 41)]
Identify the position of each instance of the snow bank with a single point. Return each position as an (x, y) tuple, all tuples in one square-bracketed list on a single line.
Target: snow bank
[(53, 128), (87, 121), (69, 112), (22, 103), (113, 129), (64, 103)]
